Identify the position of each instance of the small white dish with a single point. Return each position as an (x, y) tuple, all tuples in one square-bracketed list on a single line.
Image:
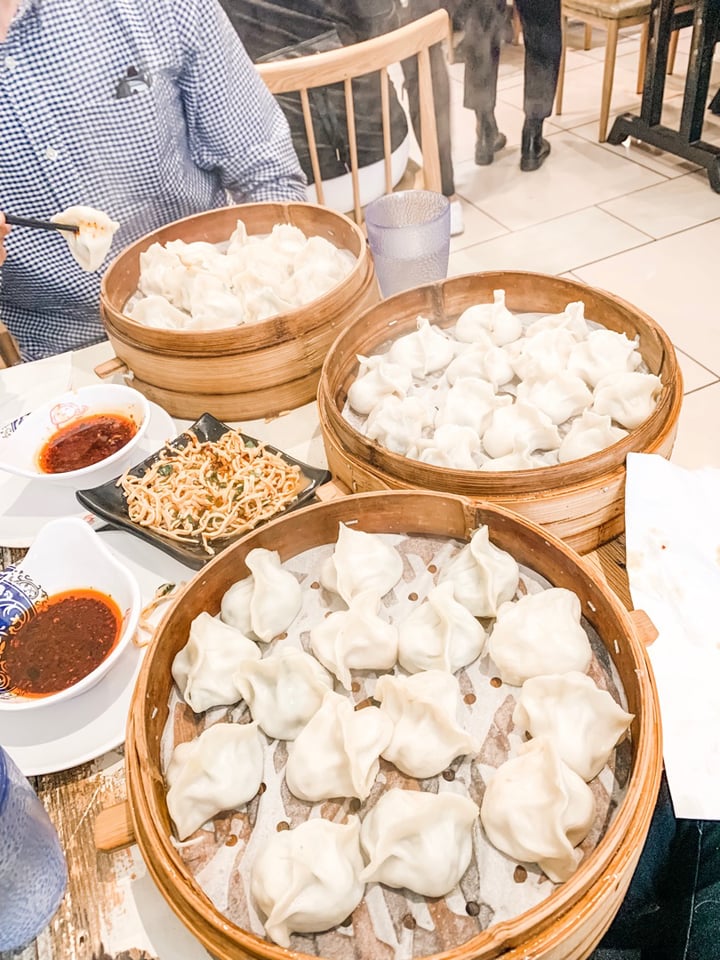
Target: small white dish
[(58, 736), (66, 556), (27, 505), (21, 448)]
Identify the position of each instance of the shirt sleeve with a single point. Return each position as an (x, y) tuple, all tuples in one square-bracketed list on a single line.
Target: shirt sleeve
[(235, 125)]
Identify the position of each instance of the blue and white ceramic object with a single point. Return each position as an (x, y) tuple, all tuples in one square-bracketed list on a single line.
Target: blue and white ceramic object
[(66, 555)]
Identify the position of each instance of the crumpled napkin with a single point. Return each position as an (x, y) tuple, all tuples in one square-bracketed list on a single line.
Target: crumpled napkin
[(672, 519), (28, 385)]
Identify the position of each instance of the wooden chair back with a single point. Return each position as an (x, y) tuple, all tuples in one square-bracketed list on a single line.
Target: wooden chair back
[(301, 74)]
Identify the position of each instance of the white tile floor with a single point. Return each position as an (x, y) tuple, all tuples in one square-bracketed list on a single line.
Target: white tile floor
[(638, 222)]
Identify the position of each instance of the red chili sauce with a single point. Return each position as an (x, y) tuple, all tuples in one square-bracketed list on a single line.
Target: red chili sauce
[(86, 441), (69, 636)]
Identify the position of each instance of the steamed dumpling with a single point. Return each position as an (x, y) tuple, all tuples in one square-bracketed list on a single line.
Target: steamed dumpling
[(538, 634), (356, 638), (604, 352), (361, 563), (519, 427), (588, 434), (417, 840), (458, 448), (425, 710), (543, 356), (283, 691), (560, 398), (220, 770), (92, 242), (582, 721), (482, 575), (337, 753), (470, 402), (629, 398), (377, 378), (156, 311), (203, 668), (439, 634), (536, 809), (306, 880), (484, 360), (572, 318), (265, 603), (425, 351), (398, 422), (493, 319)]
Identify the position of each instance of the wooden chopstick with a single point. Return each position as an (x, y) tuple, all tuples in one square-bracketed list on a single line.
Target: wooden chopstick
[(39, 224)]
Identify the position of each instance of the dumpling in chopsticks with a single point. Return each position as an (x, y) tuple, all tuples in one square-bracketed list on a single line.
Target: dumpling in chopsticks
[(91, 244)]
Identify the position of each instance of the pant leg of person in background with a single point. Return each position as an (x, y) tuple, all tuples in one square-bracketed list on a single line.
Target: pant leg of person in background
[(542, 36), (484, 30), (441, 96)]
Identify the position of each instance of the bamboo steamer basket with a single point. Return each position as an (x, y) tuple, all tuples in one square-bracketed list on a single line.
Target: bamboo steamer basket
[(582, 501), (245, 372), (571, 921)]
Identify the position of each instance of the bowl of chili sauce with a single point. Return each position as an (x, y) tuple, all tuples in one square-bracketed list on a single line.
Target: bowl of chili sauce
[(67, 612), (91, 431)]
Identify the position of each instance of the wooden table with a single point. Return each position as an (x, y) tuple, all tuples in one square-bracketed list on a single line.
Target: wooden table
[(112, 909)]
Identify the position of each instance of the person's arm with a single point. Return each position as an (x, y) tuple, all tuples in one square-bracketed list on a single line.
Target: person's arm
[(234, 124), (4, 231)]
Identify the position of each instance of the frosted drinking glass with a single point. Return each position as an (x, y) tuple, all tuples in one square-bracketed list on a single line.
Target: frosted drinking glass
[(33, 874), (409, 237)]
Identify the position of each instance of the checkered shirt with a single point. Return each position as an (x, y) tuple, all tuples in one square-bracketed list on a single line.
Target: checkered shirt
[(199, 131)]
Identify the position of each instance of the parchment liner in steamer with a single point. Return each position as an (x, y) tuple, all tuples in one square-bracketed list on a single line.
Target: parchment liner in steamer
[(390, 924)]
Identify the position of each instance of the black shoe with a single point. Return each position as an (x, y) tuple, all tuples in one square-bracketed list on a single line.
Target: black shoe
[(534, 147), (489, 141)]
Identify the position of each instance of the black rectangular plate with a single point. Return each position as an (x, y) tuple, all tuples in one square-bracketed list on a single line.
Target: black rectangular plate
[(108, 500)]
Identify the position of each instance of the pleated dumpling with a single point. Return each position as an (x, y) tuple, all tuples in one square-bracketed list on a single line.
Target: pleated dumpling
[(483, 359), (283, 691), (426, 350), (355, 639), (470, 402), (604, 352), (265, 603), (156, 311), (162, 274), (629, 398), (376, 379), (519, 427), (560, 398), (482, 575), (336, 753), (493, 319), (203, 668), (361, 563), (439, 634), (427, 733), (306, 880), (588, 434), (572, 318), (543, 356), (539, 634), (91, 243), (398, 422), (582, 721), (522, 460), (536, 809), (458, 448), (220, 770), (417, 840)]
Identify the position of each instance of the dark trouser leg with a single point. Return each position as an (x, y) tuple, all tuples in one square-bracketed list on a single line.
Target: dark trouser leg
[(484, 30), (441, 93), (542, 36)]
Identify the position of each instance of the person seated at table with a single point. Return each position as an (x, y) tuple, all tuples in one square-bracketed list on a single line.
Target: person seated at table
[(278, 29), (485, 24), (671, 909), (147, 111)]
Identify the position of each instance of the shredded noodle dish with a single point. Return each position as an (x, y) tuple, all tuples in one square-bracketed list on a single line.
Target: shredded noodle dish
[(210, 490)]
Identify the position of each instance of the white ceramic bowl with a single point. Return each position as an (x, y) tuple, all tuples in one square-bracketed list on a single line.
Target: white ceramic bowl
[(20, 451), (67, 555)]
